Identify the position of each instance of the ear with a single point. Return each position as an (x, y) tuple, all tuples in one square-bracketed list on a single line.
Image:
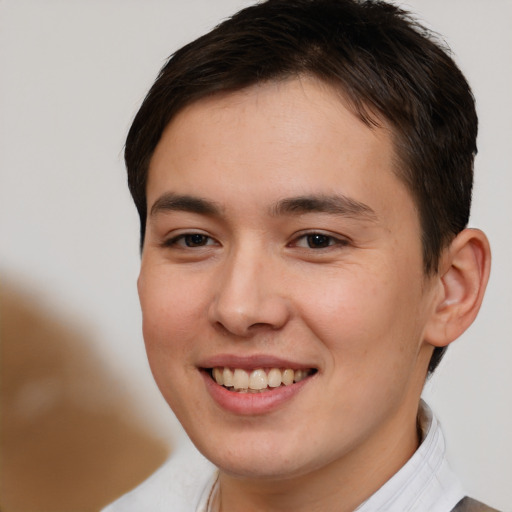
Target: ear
[(460, 286)]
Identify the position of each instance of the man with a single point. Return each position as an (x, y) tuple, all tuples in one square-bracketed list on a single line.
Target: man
[(303, 177)]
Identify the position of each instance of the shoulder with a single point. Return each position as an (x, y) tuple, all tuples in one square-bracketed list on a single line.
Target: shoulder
[(180, 482), (470, 505)]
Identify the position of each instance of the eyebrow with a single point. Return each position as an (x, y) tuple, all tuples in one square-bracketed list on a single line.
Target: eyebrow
[(336, 204), (174, 202), (332, 204)]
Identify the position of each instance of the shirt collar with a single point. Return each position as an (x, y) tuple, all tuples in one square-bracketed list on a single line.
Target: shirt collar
[(425, 483)]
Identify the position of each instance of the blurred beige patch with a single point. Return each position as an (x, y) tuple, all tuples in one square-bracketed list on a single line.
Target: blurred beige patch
[(69, 439)]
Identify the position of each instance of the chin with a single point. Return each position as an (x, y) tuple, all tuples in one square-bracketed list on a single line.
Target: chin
[(260, 457), (256, 467)]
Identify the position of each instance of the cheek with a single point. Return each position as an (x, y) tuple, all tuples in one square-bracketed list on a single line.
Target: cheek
[(362, 315), (171, 314), (172, 319), (369, 332)]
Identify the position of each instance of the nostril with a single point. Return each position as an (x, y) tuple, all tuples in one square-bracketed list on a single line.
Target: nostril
[(219, 326)]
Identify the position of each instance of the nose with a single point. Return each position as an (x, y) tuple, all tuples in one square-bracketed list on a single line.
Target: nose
[(250, 296)]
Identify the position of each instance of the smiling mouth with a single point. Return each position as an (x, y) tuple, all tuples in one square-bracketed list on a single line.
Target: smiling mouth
[(258, 380)]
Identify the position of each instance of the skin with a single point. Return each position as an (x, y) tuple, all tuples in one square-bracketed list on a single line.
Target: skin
[(359, 309)]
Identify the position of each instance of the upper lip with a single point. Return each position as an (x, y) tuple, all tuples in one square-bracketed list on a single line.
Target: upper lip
[(251, 362)]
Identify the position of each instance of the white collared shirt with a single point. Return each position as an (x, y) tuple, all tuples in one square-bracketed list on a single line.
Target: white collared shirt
[(188, 482), (425, 483)]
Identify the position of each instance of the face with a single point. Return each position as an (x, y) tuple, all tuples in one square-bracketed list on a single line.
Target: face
[(281, 245)]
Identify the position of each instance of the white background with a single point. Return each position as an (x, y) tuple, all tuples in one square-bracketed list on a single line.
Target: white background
[(72, 75)]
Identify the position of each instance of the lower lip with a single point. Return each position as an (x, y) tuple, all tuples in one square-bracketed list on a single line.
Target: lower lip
[(248, 404)]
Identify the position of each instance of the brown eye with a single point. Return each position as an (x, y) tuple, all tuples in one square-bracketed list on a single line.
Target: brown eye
[(195, 240), (318, 241), (190, 241)]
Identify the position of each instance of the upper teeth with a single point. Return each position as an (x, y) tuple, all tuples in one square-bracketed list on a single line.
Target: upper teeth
[(257, 379)]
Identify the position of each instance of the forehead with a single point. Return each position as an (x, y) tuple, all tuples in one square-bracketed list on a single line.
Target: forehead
[(298, 135), (290, 100)]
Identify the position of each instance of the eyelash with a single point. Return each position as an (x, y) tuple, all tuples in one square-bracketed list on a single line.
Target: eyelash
[(184, 237), (325, 241), (331, 241)]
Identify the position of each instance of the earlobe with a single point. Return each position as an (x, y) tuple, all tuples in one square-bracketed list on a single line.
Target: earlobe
[(463, 275)]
